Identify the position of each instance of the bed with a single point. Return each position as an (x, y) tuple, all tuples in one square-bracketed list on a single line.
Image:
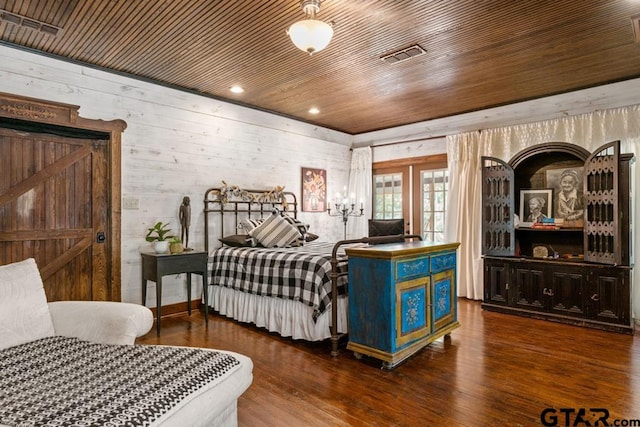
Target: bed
[(298, 292)]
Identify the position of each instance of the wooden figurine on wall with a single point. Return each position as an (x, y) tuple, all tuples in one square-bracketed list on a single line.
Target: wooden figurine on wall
[(185, 221)]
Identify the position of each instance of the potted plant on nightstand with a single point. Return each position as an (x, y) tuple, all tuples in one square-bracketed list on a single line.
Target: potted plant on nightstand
[(159, 235), (175, 245)]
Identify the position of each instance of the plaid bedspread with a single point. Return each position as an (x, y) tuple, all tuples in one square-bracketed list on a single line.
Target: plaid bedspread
[(301, 274)]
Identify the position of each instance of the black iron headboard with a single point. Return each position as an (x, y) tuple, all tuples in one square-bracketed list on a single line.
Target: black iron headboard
[(241, 204)]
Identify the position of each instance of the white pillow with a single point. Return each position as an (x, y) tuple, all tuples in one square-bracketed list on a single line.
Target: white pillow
[(24, 313), (249, 224), (275, 231)]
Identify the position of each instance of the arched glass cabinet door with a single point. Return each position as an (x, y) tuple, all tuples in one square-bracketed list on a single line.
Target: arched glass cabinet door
[(498, 237)]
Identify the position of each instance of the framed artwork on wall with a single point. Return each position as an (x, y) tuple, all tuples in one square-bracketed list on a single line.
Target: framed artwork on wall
[(314, 190), (535, 204)]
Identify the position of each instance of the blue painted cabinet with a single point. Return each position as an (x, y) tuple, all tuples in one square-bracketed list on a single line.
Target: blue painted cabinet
[(402, 296)]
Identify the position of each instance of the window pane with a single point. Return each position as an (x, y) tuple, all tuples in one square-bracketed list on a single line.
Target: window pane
[(439, 222), (426, 221), (439, 205), (388, 196), (426, 205), (434, 197)]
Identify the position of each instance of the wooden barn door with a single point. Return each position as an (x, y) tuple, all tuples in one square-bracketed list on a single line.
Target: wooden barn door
[(54, 207)]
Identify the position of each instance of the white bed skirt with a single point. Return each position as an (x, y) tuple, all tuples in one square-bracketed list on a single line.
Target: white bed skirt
[(286, 317)]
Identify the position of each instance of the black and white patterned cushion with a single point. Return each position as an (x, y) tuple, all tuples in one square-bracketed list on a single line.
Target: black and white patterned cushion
[(302, 229), (62, 381), (275, 231)]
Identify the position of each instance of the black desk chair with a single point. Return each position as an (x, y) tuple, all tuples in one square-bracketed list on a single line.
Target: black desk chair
[(394, 228)]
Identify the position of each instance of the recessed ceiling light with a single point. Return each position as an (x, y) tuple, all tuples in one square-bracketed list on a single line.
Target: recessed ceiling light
[(236, 89), (314, 110)]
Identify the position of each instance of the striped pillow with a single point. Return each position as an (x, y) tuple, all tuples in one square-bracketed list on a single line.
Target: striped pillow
[(249, 224), (275, 231)]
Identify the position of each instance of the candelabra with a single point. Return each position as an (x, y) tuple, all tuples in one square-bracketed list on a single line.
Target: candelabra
[(345, 211)]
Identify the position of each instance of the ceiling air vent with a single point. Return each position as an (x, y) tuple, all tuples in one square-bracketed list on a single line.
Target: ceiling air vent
[(635, 23), (32, 24), (403, 54)]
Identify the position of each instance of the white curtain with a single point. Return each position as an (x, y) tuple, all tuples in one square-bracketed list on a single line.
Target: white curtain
[(587, 130), (464, 220), (360, 179)]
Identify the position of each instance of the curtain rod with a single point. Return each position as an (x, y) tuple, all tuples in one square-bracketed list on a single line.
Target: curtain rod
[(414, 140), (408, 140)]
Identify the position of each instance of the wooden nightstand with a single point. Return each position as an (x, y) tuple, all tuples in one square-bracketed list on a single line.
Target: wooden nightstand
[(154, 266)]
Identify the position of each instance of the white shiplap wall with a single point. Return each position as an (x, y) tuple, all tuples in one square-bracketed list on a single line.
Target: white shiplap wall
[(179, 144)]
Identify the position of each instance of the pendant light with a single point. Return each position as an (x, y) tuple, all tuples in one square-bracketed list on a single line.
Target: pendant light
[(310, 35)]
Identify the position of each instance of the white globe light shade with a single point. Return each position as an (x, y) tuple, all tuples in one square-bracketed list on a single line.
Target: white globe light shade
[(311, 35)]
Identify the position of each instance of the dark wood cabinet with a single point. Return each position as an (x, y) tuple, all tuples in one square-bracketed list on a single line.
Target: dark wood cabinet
[(496, 281), (577, 272), (567, 291), (530, 286)]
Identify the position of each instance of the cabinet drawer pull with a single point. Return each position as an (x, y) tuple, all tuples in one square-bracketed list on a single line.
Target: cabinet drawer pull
[(547, 291), (595, 297)]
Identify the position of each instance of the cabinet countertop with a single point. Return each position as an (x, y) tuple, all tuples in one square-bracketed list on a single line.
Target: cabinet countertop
[(559, 261), (394, 250)]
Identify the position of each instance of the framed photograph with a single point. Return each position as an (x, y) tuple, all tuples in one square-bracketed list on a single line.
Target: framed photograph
[(314, 190), (567, 188), (535, 204)]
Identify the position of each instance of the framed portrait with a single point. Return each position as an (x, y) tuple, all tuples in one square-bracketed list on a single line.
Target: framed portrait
[(535, 204), (314, 190), (567, 189)]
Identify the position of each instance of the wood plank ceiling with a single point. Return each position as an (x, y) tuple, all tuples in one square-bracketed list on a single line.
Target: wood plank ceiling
[(479, 54)]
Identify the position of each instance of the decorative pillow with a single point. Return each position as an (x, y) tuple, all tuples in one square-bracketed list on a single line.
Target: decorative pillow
[(24, 313), (275, 231), (310, 237), (237, 240), (302, 229), (249, 224)]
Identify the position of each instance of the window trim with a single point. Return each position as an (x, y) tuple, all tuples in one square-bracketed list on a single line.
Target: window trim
[(405, 172), (430, 162), (411, 193)]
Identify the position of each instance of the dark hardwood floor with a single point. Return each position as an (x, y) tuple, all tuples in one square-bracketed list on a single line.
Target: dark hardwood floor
[(497, 370)]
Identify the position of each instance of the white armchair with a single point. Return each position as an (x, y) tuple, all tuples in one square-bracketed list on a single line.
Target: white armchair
[(52, 353), (26, 316), (100, 321)]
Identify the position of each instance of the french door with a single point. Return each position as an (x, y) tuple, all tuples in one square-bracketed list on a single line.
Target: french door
[(391, 193), (415, 190)]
